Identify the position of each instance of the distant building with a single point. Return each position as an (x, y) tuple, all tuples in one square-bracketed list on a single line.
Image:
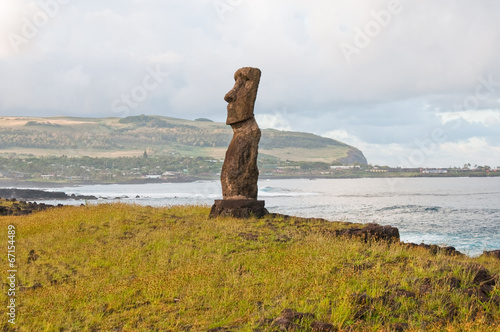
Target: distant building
[(434, 171), (168, 174), (405, 170), (21, 175), (340, 168), (152, 176), (377, 170)]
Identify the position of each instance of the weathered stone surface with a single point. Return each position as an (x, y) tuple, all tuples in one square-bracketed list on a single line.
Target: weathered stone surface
[(400, 327), (239, 173), (435, 249), (243, 208), (483, 282), (19, 208), (322, 327), (241, 98), (33, 194), (373, 232), (295, 315), (494, 253)]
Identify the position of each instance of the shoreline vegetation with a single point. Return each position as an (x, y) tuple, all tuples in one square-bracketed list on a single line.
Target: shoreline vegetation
[(135, 268), (146, 148), (154, 136), (44, 183)]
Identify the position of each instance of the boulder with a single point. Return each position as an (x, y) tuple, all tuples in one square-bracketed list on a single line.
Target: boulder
[(372, 232)]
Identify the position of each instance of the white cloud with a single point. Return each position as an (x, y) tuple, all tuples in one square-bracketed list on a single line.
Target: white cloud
[(12, 15), (343, 136), (485, 117), (424, 153), (474, 150), (274, 121), (403, 85), (164, 58)]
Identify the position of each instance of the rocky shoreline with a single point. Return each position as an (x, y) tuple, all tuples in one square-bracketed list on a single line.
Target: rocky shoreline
[(19, 202), (389, 234), (34, 194), (48, 184), (13, 207)]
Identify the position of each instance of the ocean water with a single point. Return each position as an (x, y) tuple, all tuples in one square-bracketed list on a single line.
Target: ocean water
[(459, 212)]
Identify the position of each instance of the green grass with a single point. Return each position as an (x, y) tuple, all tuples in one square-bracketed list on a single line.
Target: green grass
[(130, 268)]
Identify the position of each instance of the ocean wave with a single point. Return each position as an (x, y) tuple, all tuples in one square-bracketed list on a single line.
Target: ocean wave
[(281, 192), (416, 194), (411, 208)]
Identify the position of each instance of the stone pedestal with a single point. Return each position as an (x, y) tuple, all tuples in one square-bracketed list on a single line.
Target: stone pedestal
[(238, 208)]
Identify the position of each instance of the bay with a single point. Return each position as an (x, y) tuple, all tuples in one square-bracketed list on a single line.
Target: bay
[(459, 212)]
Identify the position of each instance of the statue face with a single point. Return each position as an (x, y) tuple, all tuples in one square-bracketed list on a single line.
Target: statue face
[(241, 98)]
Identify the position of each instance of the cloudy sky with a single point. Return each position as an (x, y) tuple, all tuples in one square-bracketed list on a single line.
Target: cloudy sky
[(409, 82)]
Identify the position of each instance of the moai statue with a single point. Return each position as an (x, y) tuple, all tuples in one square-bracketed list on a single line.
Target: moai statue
[(240, 174)]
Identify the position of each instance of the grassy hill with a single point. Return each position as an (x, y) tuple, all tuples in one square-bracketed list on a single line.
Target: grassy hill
[(131, 136), (131, 268)]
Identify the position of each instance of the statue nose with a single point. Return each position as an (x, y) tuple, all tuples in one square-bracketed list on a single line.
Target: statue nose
[(230, 96)]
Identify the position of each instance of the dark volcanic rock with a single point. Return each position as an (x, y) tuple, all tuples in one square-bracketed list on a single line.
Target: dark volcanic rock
[(322, 327), (294, 315), (483, 281), (23, 208), (288, 319), (361, 299), (285, 324), (373, 232), (249, 236), (453, 282), (34, 195), (477, 292), (32, 256), (400, 327), (494, 253), (434, 249), (401, 293), (483, 277), (29, 194)]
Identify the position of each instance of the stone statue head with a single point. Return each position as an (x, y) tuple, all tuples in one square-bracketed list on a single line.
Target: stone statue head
[(241, 98)]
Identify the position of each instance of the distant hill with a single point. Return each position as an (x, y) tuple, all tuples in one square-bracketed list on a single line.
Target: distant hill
[(158, 135)]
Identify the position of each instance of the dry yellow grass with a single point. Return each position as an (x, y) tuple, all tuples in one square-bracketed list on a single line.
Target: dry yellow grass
[(130, 268)]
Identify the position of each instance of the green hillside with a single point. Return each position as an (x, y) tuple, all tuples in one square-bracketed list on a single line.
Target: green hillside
[(131, 136), (131, 268)]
